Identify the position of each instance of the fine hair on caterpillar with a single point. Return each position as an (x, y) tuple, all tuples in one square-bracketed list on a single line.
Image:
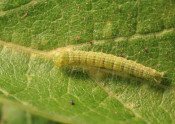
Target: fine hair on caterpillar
[(107, 61)]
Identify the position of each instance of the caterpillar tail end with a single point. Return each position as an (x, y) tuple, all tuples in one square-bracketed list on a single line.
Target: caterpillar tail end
[(162, 78), (165, 80), (158, 77)]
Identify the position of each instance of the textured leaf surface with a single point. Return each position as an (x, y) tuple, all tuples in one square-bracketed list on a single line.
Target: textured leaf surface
[(142, 31), (12, 115)]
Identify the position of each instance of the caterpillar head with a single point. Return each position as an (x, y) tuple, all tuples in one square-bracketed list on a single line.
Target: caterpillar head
[(61, 58)]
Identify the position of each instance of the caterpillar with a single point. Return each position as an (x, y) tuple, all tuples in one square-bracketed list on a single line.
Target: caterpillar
[(108, 61)]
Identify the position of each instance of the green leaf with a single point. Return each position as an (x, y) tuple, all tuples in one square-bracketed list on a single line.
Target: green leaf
[(12, 115), (142, 31)]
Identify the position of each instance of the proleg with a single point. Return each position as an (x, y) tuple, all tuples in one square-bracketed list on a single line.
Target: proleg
[(108, 61)]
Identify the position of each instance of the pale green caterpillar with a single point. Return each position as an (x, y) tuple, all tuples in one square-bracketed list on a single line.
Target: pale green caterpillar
[(108, 61)]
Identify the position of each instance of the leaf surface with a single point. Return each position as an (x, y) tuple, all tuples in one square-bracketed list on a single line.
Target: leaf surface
[(142, 31)]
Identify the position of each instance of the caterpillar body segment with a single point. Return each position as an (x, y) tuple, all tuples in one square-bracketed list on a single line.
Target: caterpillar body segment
[(108, 61)]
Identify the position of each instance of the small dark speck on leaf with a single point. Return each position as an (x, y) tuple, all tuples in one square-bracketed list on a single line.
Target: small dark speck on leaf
[(71, 102), (146, 50), (90, 42), (121, 54), (84, 18), (78, 37), (162, 25), (119, 10), (121, 44)]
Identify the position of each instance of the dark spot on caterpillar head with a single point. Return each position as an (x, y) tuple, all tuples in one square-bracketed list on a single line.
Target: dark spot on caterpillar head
[(71, 102)]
